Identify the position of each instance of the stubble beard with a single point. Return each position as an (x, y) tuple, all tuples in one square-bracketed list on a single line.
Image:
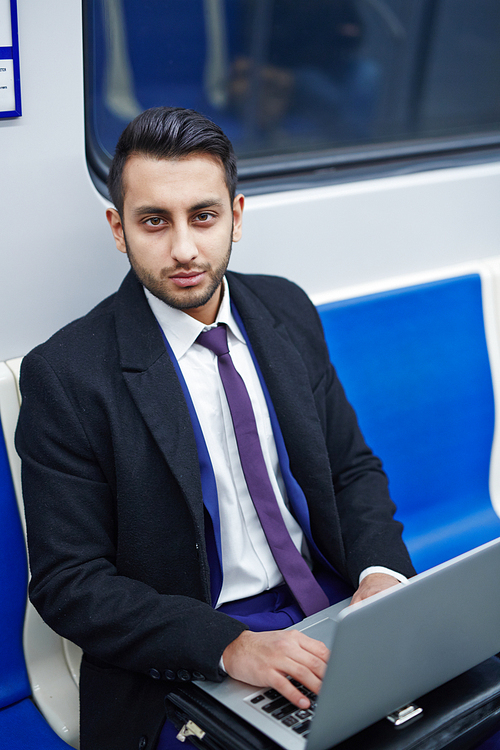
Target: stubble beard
[(181, 299)]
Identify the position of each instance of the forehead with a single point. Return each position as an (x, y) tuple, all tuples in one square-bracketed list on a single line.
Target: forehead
[(189, 178)]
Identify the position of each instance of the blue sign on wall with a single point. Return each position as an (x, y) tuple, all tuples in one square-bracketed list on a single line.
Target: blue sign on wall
[(10, 78)]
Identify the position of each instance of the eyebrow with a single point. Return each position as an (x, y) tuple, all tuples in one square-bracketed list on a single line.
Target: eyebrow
[(143, 210), (206, 204)]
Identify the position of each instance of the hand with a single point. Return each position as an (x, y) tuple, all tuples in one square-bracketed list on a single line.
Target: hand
[(372, 584), (265, 659)]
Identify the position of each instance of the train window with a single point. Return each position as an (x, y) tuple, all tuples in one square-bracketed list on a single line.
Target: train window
[(299, 85)]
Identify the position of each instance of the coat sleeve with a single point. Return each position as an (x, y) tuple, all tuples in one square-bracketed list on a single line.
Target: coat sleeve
[(72, 537)]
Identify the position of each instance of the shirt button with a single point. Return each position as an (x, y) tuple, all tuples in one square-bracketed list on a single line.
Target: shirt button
[(169, 674), (183, 675), (154, 674), (198, 676), (143, 743)]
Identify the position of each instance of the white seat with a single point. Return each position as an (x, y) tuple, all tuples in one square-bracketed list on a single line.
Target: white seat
[(53, 663)]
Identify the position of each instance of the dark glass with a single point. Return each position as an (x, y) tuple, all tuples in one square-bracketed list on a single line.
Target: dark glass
[(295, 78)]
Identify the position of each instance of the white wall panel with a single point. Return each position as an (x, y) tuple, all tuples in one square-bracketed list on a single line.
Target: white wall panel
[(56, 259), (341, 235)]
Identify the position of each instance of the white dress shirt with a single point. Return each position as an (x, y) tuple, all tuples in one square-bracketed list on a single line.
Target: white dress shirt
[(247, 562)]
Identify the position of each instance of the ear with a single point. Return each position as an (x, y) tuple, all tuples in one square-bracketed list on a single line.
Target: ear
[(116, 225), (238, 205)]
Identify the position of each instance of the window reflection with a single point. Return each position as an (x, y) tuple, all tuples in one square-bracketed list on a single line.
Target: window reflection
[(301, 71), (297, 76)]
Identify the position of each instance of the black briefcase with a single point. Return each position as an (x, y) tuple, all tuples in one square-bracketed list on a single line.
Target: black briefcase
[(459, 715)]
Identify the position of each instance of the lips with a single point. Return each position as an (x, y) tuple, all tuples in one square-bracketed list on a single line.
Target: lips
[(188, 279)]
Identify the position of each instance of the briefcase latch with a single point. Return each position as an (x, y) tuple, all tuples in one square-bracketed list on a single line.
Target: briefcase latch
[(406, 714), (190, 729)]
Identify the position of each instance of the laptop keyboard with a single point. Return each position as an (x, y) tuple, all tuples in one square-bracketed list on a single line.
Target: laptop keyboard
[(274, 704)]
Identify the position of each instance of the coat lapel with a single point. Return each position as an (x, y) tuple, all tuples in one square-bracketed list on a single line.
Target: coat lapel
[(290, 389), (155, 388)]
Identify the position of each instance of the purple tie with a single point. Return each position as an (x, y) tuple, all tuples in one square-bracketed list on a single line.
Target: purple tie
[(306, 590)]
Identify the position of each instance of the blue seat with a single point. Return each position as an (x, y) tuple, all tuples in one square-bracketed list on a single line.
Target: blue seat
[(22, 727), (414, 363)]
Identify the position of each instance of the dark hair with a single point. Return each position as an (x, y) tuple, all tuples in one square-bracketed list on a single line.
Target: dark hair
[(170, 133)]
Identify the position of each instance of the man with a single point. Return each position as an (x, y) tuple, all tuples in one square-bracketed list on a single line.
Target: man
[(148, 545)]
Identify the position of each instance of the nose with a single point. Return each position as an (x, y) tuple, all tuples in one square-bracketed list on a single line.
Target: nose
[(183, 249)]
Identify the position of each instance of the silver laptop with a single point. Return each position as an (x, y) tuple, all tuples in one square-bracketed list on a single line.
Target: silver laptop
[(385, 652)]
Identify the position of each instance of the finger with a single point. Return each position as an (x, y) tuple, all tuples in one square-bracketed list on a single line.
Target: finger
[(282, 684), (310, 653), (315, 665), (356, 597), (314, 647), (306, 676), (306, 668)]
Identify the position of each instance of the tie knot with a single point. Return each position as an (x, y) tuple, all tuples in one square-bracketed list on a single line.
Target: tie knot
[(215, 339)]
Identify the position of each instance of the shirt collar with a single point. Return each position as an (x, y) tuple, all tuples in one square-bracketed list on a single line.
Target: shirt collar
[(182, 330)]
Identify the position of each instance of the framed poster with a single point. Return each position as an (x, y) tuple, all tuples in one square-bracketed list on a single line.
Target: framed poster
[(10, 78)]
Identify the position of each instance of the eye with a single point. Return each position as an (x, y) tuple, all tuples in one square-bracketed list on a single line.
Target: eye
[(154, 221), (205, 217)]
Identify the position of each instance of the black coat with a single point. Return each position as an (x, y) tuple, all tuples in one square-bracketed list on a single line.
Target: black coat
[(114, 504)]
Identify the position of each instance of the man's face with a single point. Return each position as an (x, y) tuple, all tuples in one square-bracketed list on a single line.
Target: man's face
[(178, 225)]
